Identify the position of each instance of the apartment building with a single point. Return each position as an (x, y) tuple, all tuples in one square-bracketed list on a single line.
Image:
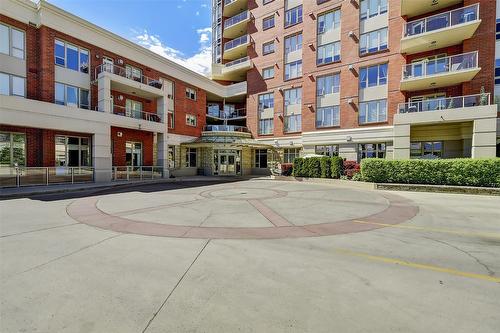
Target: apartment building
[(364, 78)]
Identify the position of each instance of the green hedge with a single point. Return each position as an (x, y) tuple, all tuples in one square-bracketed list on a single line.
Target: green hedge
[(318, 167), (460, 171)]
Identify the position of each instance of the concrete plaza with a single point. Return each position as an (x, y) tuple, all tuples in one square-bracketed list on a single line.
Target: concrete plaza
[(249, 256)]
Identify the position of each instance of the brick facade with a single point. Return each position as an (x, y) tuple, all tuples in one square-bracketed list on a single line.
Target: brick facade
[(118, 144)]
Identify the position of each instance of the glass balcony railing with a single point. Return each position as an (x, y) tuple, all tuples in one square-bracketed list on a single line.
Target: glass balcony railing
[(236, 19), (137, 114), (225, 128), (228, 2), (425, 68), (236, 42), (129, 74), (442, 20), (444, 103), (236, 62), (214, 111)]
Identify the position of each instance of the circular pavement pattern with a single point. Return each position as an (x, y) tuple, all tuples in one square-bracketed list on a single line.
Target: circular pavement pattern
[(232, 210)]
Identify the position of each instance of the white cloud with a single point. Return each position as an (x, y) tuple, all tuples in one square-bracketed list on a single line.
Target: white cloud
[(200, 62)]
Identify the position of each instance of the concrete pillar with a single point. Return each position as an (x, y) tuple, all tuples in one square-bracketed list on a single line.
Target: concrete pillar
[(104, 101), (484, 135), (349, 151), (161, 109), (163, 153), (401, 142), (101, 155)]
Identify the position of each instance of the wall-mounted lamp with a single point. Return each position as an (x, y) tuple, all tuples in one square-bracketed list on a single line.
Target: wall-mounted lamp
[(354, 3), (311, 77), (352, 69), (311, 46), (120, 97), (352, 35), (291, 143), (348, 138), (119, 134), (311, 15), (350, 101), (120, 61)]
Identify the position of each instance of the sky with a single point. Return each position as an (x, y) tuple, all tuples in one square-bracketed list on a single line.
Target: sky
[(176, 29)]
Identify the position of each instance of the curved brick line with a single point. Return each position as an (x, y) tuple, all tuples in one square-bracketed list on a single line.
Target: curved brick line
[(86, 211)]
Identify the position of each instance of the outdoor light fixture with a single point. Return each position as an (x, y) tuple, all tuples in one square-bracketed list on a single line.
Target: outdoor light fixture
[(120, 97), (354, 3), (311, 46), (119, 134), (350, 101), (291, 143), (120, 61), (348, 138), (352, 35), (311, 15)]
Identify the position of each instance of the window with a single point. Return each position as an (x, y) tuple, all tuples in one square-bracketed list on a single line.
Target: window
[(328, 116), (268, 73), (12, 85), (72, 151), (426, 150), (171, 119), (328, 53), (133, 153), (328, 21), (293, 123), (328, 84), (71, 56), (293, 70), (12, 149), (268, 48), (268, 22), (260, 160), (71, 96), (371, 8), (367, 150), (133, 109), (290, 154), (373, 111), (191, 94), (191, 157), (293, 43), (293, 96), (11, 41), (266, 126), (133, 73), (171, 157), (373, 76), (266, 101), (330, 150), (373, 41), (191, 120), (293, 16)]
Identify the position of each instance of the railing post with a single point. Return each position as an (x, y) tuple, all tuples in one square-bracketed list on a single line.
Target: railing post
[(18, 177), (140, 172), (128, 174), (72, 175), (47, 175)]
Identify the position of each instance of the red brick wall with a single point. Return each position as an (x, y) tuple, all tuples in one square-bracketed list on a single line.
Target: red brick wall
[(119, 152)]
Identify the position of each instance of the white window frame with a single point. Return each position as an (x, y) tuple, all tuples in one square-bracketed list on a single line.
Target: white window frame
[(269, 44), (324, 52), (289, 154), (365, 46), (364, 109), (268, 73), (327, 150), (324, 88), (365, 12), (293, 70), (11, 85), (10, 46), (11, 147), (78, 89), (191, 120), (133, 73), (289, 14), (268, 19), (79, 52), (336, 13), (320, 113), (381, 80), (191, 93)]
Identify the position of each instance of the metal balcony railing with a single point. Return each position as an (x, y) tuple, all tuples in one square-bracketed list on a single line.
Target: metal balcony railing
[(122, 71), (445, 103), (236, 62), (455, 63), (236, 42), (236, 19), (31, 176), (225, 128), (137, 114), (226, 114), (130, 173), (442, 20), (228, 2)]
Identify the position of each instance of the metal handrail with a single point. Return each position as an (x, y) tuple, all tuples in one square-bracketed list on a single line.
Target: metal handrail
[(32, 176), (453, 63), (237, 61), (236, 42), (436, 104), (435, 22), (137, 114), (225, 128), (236, 19), (122, 71), (227, 114), (128, 172)]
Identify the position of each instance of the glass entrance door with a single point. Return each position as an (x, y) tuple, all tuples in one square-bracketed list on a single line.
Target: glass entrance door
[(227, 162), (133, 153)]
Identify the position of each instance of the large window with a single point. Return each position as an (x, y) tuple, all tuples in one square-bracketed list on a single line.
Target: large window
[(71, 96), (328, 21), (72, 151), (371, 8), (260, 160), (293, 16), (426, 150), (133, 153), (11, 41), (328, 84), (327, 150), (266, 126), (133, 109), (268, 22), (12, 85), (268, 72), (290, 154), (12, 149), (328, 116), (370, 150), (373, 111), (293, 43), (293, 123), (266, 101), (71, 56), (133, 73), (328, 53), (268, 48), (293, 70), (293, 96), (191, 158), (373, 76), (373, 41)]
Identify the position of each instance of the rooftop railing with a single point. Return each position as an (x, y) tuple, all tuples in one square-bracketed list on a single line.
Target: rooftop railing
[(236, 19), (449, 64), (127, 73), (225, 128), (228, 2), (445, 103), (236, 42), (137, 114), (442, 20)]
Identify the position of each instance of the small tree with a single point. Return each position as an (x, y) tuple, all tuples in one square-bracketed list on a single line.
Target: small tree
[(483, 99)]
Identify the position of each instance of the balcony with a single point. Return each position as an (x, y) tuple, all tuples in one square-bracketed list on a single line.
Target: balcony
[(236, 25), (413, 8), (124, 81), (215, 112), (236, 48), (440, 72), (235, 70), (225, 128), (136, 114), (445, 103), (440, 30), (233, 7)]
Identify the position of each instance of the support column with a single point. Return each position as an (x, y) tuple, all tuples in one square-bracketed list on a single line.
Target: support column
[(163, 153), (401, 142), (101, 155), (484, 136), (104, 94)]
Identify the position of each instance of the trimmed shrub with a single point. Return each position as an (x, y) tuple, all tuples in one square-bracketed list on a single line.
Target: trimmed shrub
[(336, 167), (460, 171), (298, 165), (325, 164), (350, 168), (286, 169), (308, 167)]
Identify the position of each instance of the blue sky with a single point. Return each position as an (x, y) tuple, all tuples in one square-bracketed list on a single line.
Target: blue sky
[(177, 29)]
